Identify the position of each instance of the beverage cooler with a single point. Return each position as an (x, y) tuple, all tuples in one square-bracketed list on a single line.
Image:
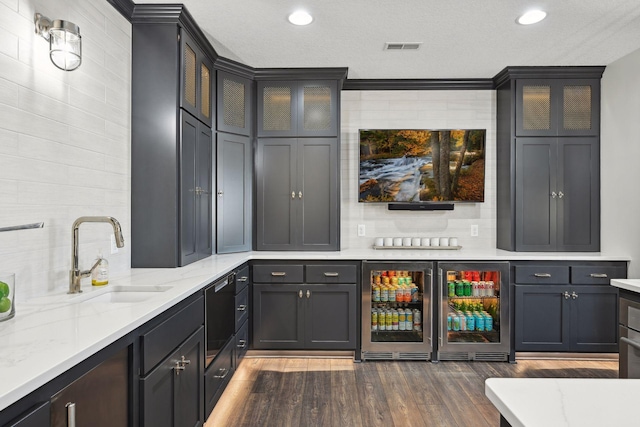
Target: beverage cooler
[(474, 311), (396, 310)]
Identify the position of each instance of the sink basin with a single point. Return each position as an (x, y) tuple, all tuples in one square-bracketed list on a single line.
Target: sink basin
[(124, 294)]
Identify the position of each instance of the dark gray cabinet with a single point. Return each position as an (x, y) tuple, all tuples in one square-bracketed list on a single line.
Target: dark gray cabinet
[(561, 307), (320, 313), (234, 196), (298, 108), (37, 416), (557, 201), (557, 107), (297, 194), (196, 223), (172, 394), (548, 161), (171, 116), (196, 80), (234, 107)]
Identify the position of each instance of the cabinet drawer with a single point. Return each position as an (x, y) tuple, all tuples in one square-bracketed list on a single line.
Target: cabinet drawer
[(539, 274), (596, 275), (164, 338), (242, 279), (278, 273), (242, 307), (331, 274), (242, 342), (218, 375)]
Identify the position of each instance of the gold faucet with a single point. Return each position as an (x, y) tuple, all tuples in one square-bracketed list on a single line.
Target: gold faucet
[(75, 274)]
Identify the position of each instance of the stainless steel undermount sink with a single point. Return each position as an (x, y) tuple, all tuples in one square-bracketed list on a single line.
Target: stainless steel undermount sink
[(122, 294)]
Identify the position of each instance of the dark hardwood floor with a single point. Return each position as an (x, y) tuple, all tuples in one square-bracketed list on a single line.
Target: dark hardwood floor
[(339, 392)]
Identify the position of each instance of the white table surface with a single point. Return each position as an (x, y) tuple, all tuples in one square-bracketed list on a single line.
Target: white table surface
[(558, 402), (54, 332)]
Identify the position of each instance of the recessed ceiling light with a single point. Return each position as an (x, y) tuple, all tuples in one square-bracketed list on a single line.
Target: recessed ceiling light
[(300, 17), (531, 17)]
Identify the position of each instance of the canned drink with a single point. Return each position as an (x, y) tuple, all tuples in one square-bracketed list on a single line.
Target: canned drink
[(488, 323), (408, 321), (382, 320), (467, 289), (389, 319), (479, 322), (474, 289), (402, 319), (384, 294), (417, 320), (374, 319), (459, 288), (471, 322), (491, 289), (394, 320), (463, 321), (449, 322), (451, 289), (455, 322), (414, 293)]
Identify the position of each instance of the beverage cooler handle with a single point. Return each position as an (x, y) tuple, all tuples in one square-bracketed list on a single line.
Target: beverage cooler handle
[(440, 301)]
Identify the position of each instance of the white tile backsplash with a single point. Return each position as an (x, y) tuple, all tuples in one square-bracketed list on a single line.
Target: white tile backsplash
[(473, 109), (64, 141)]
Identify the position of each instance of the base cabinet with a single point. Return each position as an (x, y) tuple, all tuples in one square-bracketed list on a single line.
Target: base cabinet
[(312, 315), (562, 308)]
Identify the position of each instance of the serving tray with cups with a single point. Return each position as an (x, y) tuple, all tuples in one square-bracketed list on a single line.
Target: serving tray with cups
[(417, 243)]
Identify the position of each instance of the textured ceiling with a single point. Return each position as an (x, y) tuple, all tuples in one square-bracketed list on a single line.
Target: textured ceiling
[(461, 38)]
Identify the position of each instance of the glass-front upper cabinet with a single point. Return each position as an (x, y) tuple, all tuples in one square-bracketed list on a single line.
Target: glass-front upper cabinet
[(557, 107), (234, 104), (297, 108), (196, 80)]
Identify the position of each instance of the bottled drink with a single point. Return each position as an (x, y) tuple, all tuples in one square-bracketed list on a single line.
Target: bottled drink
[(392, 294), (376, 293), (384, 294)]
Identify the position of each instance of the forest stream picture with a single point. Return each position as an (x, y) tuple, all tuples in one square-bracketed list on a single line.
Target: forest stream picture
[(422, 165)]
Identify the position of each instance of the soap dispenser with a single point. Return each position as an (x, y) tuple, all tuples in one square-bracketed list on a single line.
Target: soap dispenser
[(100, 273)]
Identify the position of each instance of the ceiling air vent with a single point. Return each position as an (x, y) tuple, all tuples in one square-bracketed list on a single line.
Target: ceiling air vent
[(402, 46)]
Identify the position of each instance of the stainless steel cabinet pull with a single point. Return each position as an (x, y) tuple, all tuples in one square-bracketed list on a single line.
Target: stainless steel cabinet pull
[(331, 274), (278, 273), (566, 295), (308, 293), (223, 372), (574, 295), (300, 293), (553, 194), (220, 193), (547, 275), (71, 414), (241, 344), (293, 194), (630, 342), (560, 194), (599, 275), (179, 367), (243, 279), (241, 307), (299, 194)]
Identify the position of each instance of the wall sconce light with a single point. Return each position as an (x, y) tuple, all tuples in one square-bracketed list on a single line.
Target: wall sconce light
[(65, 43)]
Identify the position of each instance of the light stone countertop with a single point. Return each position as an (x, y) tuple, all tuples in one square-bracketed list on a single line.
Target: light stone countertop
[(51, 334), (632, 285), (558, 402)]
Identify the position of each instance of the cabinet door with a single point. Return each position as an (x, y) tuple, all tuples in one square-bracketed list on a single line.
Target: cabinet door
[(578, 203), (578, 107), (101, 396), (275, 194), (277, 108), (536, 107), (234, 194), (277, 316), (330, 316), (541, 318), (234, 104), (196, 80), (536, 207), (594, 318), (195, 201), (171, 396), (317, 113), (317, 194)]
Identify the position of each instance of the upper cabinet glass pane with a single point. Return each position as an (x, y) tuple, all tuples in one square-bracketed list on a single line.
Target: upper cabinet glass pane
[(233, 97), (205, 90), (536, 107), (317, 108), (190, 75), (277, 108), (577, 107)]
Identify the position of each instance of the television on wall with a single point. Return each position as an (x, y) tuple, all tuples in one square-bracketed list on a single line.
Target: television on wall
[(422, 165)]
